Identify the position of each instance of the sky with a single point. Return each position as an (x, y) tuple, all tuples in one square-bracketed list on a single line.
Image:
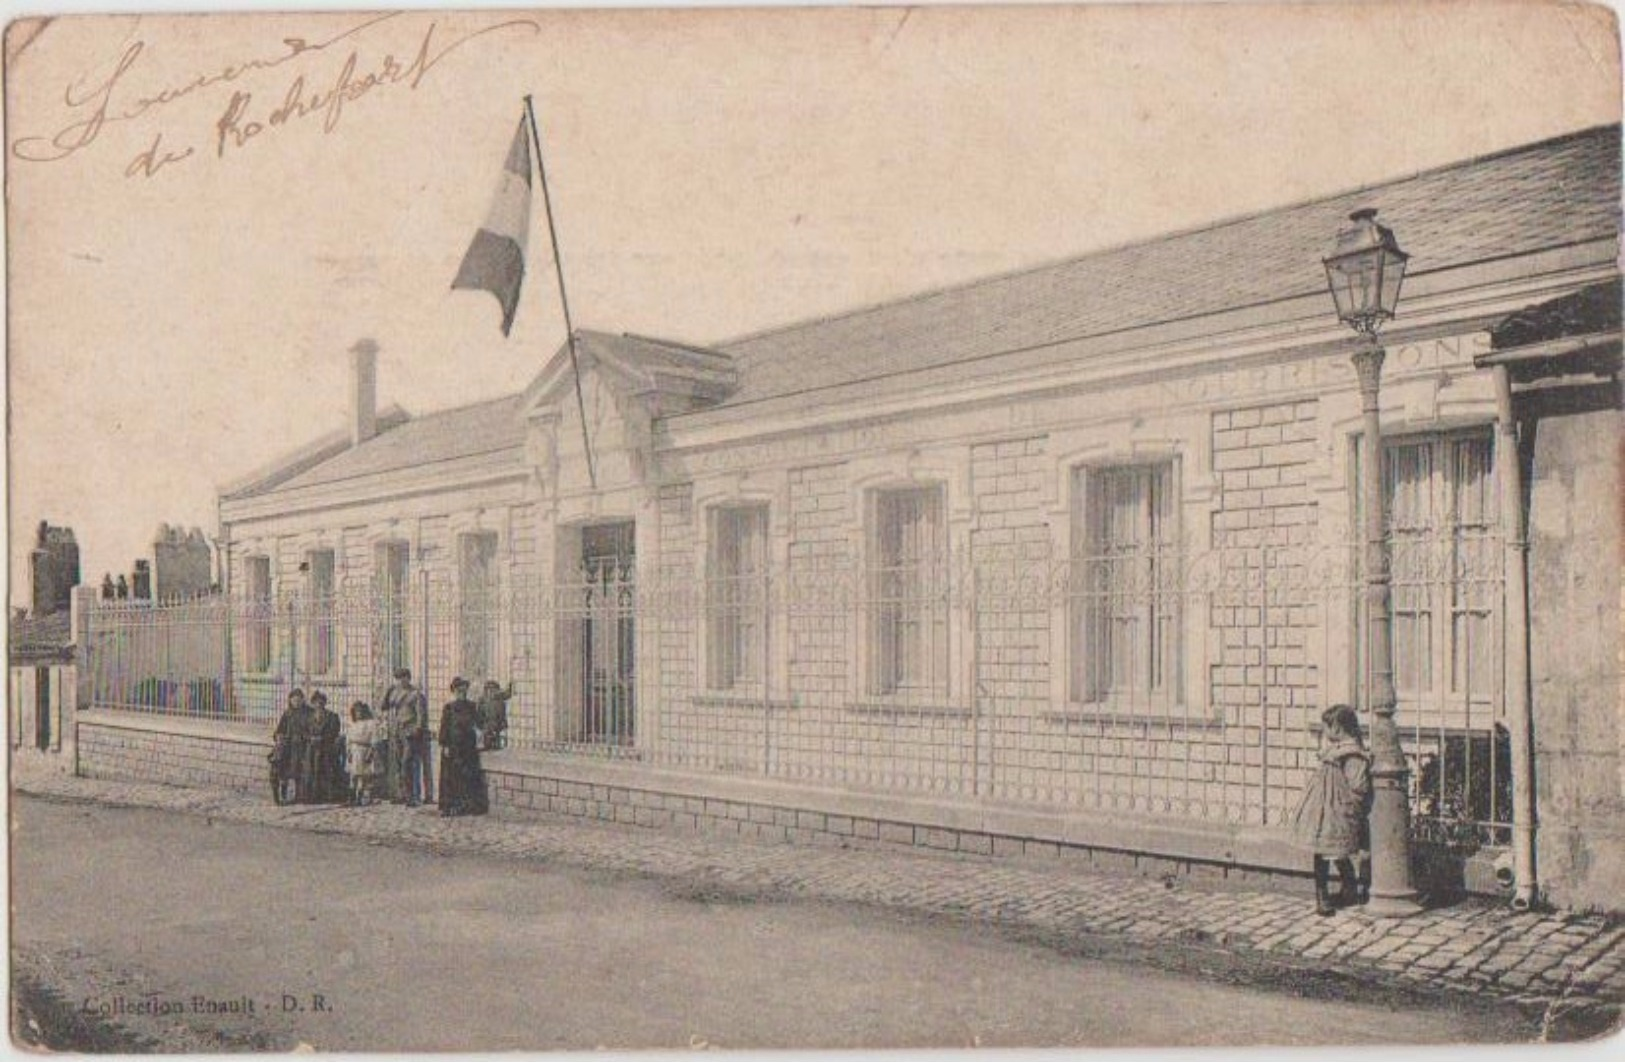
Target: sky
[(187, 273)]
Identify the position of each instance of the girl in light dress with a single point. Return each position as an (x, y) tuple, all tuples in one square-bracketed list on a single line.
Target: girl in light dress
[(363, 744), (1330, 819)]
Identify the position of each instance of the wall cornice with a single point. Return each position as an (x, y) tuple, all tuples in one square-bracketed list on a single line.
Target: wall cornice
[(396, 486), (1445, 303)]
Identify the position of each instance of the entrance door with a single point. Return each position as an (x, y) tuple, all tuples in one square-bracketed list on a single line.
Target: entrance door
[(42, 709), (607, 635)]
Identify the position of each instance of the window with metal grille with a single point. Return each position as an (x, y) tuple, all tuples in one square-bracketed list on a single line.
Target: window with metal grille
[(319, 588), (1124, 595), (908, 607), (260, 618), (1462, 786), (1446, 577), (390, 583), (1446, 585), (736, 596), (476, 603), (1442, 514)]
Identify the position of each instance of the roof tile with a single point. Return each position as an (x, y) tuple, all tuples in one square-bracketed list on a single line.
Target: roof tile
[(1548, 194), (447, 435), (1542, 195)]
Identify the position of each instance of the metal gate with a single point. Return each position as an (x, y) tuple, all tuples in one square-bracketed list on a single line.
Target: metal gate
[(608, 601)]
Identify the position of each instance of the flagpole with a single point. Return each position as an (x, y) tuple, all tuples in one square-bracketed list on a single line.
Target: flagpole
[(564, 301)]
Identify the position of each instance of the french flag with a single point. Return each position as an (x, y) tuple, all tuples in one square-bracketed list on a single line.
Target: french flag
[(495, 261)]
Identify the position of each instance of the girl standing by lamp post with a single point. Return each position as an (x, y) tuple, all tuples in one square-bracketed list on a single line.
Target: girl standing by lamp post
[(1330, 819)]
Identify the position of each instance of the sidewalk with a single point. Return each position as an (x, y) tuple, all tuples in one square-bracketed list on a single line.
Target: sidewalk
[(1565, 967)]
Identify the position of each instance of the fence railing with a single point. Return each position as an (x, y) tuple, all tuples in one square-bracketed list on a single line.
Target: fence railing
[(1154, 681)]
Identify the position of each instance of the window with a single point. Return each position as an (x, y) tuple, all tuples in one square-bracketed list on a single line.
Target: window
[(1445, 561), (1124, 591), (260, 609), (390, 583), (319, 586), (908, 606), (1463, 786), (476, 603), (736, 596)]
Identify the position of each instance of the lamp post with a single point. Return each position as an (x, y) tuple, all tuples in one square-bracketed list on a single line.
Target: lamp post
[(1364, 272)]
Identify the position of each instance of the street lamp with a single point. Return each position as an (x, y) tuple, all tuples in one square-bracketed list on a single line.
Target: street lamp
[(1364, 272)]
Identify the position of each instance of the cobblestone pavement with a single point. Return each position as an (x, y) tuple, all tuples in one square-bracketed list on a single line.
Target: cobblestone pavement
[(1557, 962)]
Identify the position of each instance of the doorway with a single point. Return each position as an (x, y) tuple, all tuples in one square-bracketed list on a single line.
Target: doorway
[(42, 709), (607, 633)]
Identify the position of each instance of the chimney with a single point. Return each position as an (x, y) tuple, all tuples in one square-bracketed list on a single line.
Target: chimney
[(363, 391)]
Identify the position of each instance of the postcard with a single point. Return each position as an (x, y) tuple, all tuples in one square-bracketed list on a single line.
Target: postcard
[(930, 527)]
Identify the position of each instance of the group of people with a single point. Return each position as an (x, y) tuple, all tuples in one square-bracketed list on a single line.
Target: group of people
[(316, 760)]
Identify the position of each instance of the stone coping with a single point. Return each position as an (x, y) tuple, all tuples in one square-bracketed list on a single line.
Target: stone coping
[(183, 725), (1216, 843), (1213, 843)]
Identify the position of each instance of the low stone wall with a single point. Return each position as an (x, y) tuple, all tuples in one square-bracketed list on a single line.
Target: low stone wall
[(759, 809), (213, 755), (128, 746)]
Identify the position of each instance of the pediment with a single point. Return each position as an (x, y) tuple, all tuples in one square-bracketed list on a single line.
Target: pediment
[(664, 377)]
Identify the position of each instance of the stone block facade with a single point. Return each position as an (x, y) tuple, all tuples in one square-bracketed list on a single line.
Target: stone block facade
[(1577, 599), (1227, 611)]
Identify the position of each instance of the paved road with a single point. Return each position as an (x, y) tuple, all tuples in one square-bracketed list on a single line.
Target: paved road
[(411, 950)]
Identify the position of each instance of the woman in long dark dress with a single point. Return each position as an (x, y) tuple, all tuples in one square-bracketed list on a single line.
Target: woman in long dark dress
[(288, 750), (327, 751), (462, 783)]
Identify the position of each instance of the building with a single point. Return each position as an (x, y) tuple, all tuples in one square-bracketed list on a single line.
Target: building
[(141, 580), (1066, 557), (1557, 368), (43, 686), (182, 565), (53, 565)]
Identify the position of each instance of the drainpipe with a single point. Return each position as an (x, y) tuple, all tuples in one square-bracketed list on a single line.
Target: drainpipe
[(1519, 704)]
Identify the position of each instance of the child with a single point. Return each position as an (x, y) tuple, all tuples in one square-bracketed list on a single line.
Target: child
[(493, 714), (1330, 818), (362, 742)]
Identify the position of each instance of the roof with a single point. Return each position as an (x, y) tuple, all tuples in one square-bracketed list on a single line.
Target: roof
[(1588, 311), (446, 435), (1553, 193), (44, 639), (1550, 194), (269, 477), (487, 427), (1573, 339)]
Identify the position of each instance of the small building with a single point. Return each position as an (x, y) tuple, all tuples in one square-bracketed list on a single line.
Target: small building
[(53, 565), (1066, 557), (182, 565), (1558, 365), (44, 685), (141, 580)]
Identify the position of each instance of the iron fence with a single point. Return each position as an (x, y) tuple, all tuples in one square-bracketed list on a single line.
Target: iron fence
[(1151, 681)]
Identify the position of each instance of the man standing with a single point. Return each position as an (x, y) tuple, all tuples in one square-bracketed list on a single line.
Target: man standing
[(406, 715)]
